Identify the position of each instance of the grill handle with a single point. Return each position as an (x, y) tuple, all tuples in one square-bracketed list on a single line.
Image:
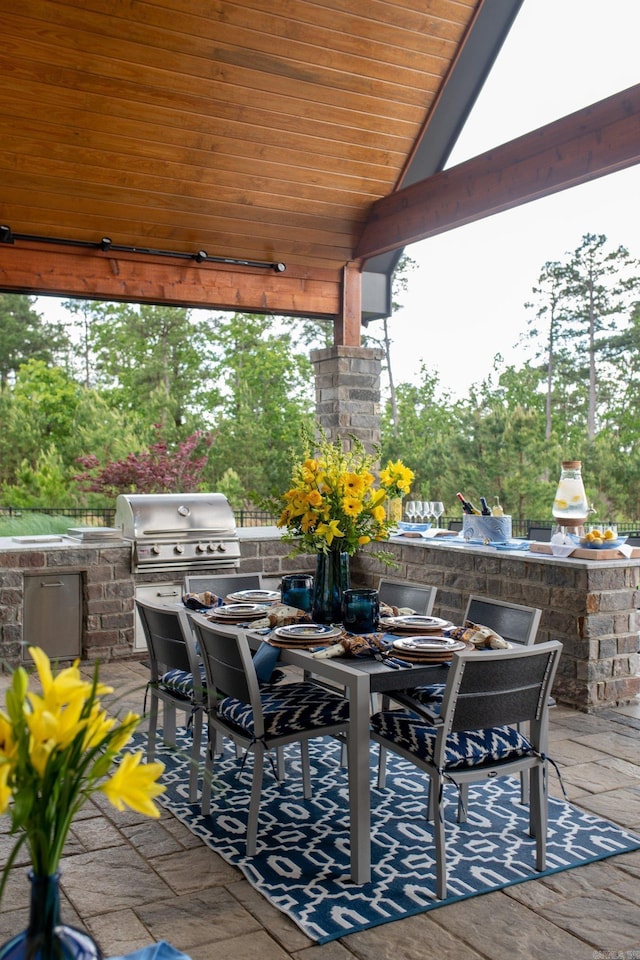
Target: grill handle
[(207, 531)]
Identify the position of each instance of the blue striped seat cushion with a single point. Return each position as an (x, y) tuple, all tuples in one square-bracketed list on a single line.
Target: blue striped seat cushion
[(432, 693), (288, 708), (469, 748), (180, 683)]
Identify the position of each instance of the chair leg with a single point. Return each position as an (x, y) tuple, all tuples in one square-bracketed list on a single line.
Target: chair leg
[(196, 745), (281, 772), (254, 804), (524, 787), (523, 728), (207, 777), (463, 802), (153, 727), (440, 842), (538, 814), (306, 769), (169, 724), (430, 803), (382, 767)]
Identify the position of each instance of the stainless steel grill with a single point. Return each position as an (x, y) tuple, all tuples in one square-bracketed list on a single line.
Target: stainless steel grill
[(178, 531)]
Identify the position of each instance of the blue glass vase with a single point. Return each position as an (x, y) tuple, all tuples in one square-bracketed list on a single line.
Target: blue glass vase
[(46, 938), (330, 582)]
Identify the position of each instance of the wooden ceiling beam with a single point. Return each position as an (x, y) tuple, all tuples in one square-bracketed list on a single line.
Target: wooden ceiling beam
[(38, 269), (595, 141)]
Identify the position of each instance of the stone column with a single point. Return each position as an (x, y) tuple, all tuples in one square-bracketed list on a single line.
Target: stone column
[(348, 392)]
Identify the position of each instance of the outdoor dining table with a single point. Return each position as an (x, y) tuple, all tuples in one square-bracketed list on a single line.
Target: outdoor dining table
[(360, 677)]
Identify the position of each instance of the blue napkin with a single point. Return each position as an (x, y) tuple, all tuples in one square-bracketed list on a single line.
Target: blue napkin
[(265, 660)]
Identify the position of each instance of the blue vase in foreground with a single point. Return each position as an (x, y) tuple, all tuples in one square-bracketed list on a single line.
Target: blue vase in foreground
[(46, 938), (331, 580)]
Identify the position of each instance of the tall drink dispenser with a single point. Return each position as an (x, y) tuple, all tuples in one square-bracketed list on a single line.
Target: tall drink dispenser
[(570, 507)]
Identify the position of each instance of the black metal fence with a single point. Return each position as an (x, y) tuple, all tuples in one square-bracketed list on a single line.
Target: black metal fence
[(90, 516)]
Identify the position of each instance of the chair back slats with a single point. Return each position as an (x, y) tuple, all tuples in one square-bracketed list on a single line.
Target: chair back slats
[(228, 667), (499, 687), (513, 622), (166, 641), (222, 584), (403, 593)]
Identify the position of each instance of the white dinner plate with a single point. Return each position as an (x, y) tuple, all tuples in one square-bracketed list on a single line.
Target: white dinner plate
[(427, 643), (416, 621), (240, 609), (308, 631), (255, 596)]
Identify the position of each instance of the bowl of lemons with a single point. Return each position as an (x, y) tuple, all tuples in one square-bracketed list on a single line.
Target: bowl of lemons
[(601, 538)]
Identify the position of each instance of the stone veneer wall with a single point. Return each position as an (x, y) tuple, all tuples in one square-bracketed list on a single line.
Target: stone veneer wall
[(590, 606), (107, 597), (108, 589), (348, 392)]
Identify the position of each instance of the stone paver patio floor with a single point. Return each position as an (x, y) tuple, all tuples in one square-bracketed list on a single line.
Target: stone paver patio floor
[(132, 881)]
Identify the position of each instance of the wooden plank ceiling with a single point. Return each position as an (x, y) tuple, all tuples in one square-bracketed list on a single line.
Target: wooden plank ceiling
[(310, 133), (252, 130)]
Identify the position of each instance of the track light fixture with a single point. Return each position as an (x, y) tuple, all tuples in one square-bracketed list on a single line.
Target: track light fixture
[(107, 244)]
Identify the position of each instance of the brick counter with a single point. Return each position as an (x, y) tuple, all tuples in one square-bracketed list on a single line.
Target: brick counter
[(591, 606), (107, 594)]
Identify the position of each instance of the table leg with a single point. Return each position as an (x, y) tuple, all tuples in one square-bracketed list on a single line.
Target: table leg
[(359, 778)]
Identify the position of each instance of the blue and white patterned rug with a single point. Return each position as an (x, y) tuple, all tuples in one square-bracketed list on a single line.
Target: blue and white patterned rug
[(302, 865)]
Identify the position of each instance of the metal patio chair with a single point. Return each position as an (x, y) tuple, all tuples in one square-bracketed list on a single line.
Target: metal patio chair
[(476, 736)]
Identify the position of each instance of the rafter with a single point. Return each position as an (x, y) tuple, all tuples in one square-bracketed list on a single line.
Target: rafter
[(593, 142)]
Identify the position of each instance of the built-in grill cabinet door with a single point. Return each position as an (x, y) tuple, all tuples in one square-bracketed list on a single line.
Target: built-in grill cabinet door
[(52, 614)]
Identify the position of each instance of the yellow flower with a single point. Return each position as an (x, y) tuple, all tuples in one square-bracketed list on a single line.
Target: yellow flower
[(396, 478), (328, 531), (314, 498), (364, 539), (124, 732), (5, 789), (97, 726), (134, 785), (7, 740), (379, 514), (354, 484), (352, 506), (57, 747), (66, 685)]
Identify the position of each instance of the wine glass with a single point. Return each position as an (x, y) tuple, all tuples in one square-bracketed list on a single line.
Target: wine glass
[(411, 510), (419, 509), (437, 509)]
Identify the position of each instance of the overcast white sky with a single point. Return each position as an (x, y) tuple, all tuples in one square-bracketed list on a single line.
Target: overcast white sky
[(465, 301)]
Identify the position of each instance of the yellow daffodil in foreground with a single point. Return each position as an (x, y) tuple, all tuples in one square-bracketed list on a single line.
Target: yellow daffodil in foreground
[(134, 785), (58, 746)]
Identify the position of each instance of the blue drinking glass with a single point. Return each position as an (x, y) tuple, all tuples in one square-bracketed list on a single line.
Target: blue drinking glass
[(360, 610), (297, 591)]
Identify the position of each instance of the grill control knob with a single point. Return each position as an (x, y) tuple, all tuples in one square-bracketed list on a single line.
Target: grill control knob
[(155, 548), (179, 548), (201, 548), (222, 548)]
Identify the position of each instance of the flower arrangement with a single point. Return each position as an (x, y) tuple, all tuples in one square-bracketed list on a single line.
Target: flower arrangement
[(57, 748), (396, 479), (334, 501)]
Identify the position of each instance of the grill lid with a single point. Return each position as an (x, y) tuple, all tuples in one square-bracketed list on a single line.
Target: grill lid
[(175, 516)]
